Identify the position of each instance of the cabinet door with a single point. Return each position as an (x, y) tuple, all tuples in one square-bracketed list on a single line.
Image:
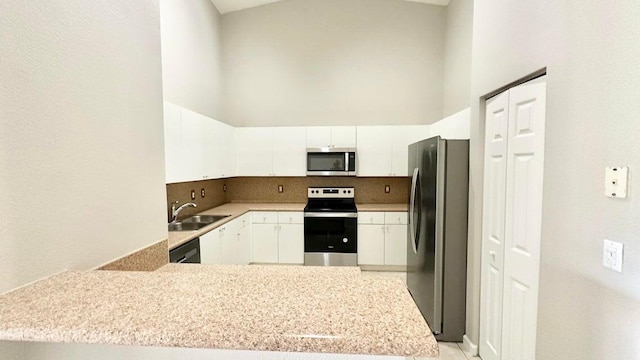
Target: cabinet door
[(374, 151), (192, 145), (265, 243), (371, 244), (229, 245), (403, 136), (210, 248), (220, 149), (244, 246), (371, 217), (289, 151), (264, 217), (228, 151), (212, 148), (290, 217), (291, 243), (254, 151), (172, 143), (395, 218), (318, 136), (395, 245), (343, 136)]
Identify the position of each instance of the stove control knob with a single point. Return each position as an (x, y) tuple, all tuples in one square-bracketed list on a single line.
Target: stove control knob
[(349, 191), (344, 191), (345, 240)]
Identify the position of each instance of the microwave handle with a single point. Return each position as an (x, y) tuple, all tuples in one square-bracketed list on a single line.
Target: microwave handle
[(346, 161)]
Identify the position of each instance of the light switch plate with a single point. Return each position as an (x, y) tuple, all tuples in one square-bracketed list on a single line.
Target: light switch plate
[(612, 255), (615, 181)]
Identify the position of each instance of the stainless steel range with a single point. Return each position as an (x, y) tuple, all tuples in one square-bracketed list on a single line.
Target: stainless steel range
[(331, 227)]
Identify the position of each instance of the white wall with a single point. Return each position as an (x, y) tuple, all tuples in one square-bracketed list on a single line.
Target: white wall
[(81, 135), (457, 56), (324, 62), (455, 126), (191, 59), (590, 49)]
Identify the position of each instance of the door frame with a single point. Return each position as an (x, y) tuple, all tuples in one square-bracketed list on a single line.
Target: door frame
[(482, 120)]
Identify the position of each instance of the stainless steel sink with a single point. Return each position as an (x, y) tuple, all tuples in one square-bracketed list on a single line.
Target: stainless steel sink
[(195, 222), (207, 219), (180, 226)]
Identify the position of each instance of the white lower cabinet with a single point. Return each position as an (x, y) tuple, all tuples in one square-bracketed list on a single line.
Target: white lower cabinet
[(382, 238), (278, 237), (227, 244)]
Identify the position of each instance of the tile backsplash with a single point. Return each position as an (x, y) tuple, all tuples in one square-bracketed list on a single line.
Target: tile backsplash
[(369, 190)]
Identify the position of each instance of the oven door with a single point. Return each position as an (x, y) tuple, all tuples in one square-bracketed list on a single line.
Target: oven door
[(327, 232)]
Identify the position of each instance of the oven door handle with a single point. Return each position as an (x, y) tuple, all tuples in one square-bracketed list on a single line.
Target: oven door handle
[(330, 215)]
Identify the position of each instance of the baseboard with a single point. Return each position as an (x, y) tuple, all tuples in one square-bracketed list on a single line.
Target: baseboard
[(470, 349)]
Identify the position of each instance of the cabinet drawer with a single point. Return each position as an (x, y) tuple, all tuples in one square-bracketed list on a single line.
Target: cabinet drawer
[(370, 217), (264, 217), (395, 218), (290, 217)]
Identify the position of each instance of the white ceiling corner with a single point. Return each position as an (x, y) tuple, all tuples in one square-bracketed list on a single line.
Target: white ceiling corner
[(227, 6)]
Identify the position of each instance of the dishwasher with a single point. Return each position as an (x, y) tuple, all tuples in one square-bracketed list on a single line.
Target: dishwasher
[(188, 253)]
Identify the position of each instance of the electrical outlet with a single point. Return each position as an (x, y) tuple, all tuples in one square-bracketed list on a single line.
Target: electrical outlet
[(224, 188), (387, 189), (280, 188), (193, 194), (612, 255), (615, 181), (202, 193)]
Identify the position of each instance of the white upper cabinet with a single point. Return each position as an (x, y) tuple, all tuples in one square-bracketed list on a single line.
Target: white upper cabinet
[(374, 151), (289, 151), (220, 150), (271, 151), (403, 136), (193, 145), (197, 147), (383, 150), (255, 151), (331, 136), (172, 143)]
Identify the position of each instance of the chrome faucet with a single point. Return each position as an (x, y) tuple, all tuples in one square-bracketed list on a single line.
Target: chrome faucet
[(175, 211)]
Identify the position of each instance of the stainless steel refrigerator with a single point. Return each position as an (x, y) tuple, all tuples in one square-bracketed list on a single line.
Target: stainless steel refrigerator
[(437, 233)]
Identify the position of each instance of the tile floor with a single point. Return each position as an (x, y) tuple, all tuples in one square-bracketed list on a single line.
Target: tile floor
[(448, 351)]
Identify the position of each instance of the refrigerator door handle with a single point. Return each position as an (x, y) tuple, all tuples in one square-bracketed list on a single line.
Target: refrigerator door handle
[(412, 202)]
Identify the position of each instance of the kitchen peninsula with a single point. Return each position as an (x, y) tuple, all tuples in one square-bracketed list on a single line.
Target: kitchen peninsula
[(259, 308)]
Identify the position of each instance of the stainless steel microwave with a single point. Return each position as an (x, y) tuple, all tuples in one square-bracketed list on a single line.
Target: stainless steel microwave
[(331, 162)]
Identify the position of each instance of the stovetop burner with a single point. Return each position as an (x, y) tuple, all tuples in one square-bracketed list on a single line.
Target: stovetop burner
[(331, 200)]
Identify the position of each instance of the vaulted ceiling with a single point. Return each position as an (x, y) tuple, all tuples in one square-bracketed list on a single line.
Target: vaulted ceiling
[(227, 6)]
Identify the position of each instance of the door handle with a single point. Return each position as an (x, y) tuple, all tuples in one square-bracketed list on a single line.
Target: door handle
[(412, 201)]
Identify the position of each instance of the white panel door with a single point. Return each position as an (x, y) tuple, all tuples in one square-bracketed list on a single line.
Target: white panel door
[(289, 151), (343, 136), (371, 244), (374, 150), (265, 243), (172, 143), (523, 221), (495, 167), (254, 150), (403, 136), (291, 243)]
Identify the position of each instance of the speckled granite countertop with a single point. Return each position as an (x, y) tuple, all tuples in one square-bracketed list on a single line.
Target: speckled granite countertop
[(290, 309), (381, 207), (177, 238)]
